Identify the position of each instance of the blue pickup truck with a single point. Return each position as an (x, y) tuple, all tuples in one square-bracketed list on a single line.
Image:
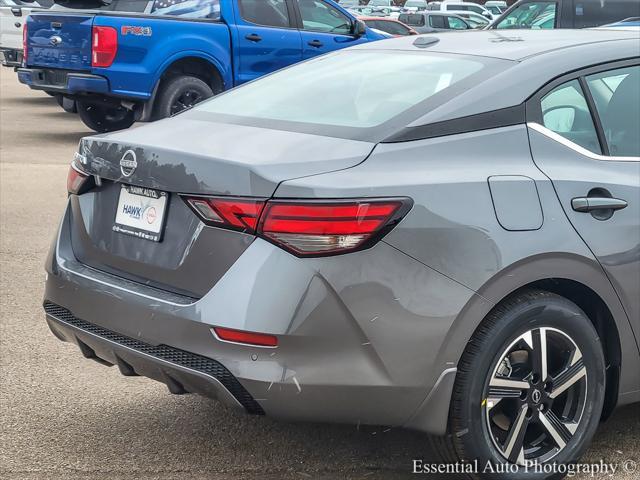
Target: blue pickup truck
[(141, 60)]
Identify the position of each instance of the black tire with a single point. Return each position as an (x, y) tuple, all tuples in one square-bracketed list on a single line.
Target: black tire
[(104, 118), (59, 99), (67, 104), (179, 93), (471, 437)]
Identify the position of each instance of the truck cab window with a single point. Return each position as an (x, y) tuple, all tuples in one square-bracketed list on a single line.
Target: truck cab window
[(269, 13)]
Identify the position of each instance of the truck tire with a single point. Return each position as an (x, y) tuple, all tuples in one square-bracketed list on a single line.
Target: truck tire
[(67, 104), (179, 93), (104, 118)]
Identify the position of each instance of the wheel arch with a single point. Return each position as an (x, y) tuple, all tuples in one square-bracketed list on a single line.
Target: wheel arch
[(196, 64), (577, 278)]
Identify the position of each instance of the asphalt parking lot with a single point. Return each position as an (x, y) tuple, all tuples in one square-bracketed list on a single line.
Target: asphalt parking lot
[(65, 417)]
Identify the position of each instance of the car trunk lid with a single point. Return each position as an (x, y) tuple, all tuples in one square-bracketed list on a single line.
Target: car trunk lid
[(197, 158)]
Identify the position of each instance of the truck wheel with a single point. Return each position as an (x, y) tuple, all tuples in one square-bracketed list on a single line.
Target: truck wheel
[(104, 118), (180, 93), (67, 104)]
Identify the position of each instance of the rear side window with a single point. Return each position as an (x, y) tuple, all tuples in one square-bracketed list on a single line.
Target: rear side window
[(566, 112), (269, 13), (413, 19), (533, 15), (188, 8), (616, 94), (592, 13), (438, 21)]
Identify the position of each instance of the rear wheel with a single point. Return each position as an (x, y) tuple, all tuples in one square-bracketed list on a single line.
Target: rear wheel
[(67, 104), (529, 389), (178, 94), (104, 117)]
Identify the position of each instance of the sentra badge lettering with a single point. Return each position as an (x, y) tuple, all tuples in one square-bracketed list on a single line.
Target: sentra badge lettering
[(136, 30)]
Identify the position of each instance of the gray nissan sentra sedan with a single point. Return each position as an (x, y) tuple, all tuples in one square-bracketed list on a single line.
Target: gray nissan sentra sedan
[(440, 233)]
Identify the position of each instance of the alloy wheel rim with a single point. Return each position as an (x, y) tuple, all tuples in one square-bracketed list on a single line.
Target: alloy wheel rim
[(187, 99), (535, 398)]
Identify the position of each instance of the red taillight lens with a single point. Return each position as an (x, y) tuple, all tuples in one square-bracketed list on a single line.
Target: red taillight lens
[(104, 46), (76, 180), (249, 338), (308, 228), (25, 36), (233, 213)]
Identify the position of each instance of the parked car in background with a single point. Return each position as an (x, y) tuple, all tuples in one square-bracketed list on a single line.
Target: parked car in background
[(381, 7), (388, 25), (13, 14), (496, 7), (631, 22), (414, 6), (566, 13), (121, 68), (475, 20), (380, 236), (429, 21), (448, 6)]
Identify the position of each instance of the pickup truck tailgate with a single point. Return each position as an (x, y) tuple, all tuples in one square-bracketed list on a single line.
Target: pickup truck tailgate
[(59, 41)]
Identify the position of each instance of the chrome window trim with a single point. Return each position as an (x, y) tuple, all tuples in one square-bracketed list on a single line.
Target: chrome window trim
[(575, 147)]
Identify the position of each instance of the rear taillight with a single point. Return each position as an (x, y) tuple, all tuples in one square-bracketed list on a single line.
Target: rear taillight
[(306, 228), (76, 180), (25, 36), (104, 46), (226, 212)]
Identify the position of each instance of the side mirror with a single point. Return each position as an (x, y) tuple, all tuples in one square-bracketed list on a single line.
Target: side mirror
[(487, 15), (359, 28)]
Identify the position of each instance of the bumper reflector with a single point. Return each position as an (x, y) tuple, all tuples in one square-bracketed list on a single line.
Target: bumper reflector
[(248, 338)]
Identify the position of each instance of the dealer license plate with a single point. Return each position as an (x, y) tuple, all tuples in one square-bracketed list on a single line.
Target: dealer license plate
[(141, 212)]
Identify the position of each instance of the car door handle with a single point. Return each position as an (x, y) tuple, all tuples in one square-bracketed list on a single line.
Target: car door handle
[(590, 204), (253, 37), (315, 43)]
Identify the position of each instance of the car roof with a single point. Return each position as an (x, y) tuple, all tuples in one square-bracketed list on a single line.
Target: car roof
[(516, 45)]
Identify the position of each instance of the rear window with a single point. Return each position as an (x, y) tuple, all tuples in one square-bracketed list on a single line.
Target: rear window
[(135, 6), (188, 8), (360, 90)]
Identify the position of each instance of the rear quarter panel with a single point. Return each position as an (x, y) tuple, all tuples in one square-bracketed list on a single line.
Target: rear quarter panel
[(143, 57), (453, 229)]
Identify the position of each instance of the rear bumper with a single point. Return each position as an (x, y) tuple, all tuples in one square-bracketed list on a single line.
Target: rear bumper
[(10, 57), (181, 371), (357, 342), (62, 81)]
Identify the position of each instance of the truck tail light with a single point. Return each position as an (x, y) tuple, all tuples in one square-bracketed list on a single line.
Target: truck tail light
[(104, 46), (318, 228), (25, 37), (306, 228)]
